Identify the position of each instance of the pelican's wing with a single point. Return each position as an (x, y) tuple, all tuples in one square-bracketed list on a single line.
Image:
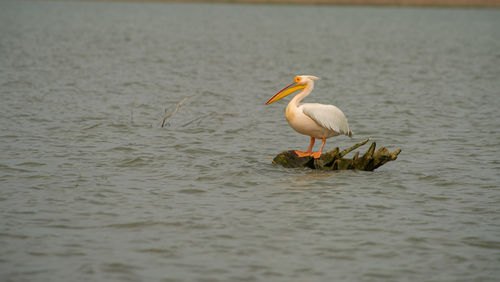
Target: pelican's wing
[(327, 116)]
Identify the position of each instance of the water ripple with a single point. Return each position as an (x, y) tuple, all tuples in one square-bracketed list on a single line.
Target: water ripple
[(93, 188)]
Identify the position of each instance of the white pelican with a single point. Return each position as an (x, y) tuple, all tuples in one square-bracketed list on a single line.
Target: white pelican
[(315, 120)]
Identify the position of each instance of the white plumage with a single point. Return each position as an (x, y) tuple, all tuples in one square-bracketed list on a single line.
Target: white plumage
[(313, 119), (327, 116)]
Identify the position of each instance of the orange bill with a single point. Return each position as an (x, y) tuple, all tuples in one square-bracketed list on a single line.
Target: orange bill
[(285, 92)]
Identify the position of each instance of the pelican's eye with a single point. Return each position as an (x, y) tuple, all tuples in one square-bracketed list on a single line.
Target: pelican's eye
[(297, 79)]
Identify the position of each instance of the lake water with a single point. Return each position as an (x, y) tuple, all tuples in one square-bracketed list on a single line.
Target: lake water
[(94, 189)]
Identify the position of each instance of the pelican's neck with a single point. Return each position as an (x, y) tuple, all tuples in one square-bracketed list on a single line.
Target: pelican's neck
[(302, 94)]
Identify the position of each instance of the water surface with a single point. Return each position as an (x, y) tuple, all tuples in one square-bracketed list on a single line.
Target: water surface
[(94, 189)]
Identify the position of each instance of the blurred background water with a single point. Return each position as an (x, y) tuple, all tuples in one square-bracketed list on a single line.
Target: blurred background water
[(93, 189)]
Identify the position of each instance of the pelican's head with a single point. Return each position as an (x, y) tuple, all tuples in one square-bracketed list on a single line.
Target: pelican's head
[(304, 79), (300, 82)]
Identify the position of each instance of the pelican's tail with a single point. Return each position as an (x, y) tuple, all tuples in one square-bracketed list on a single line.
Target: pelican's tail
[(350, 134)]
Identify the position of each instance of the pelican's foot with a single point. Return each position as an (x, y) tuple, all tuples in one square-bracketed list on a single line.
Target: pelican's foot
[(316, 155), (302, 154)]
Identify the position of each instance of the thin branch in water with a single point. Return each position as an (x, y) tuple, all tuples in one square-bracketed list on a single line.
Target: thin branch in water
[(177, 108), (208, 115)]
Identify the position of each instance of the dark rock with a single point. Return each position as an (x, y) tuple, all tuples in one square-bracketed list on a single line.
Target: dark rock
[(334, 159)]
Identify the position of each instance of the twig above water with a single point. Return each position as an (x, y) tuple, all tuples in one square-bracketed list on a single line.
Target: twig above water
[(177, 108), (208, 115)]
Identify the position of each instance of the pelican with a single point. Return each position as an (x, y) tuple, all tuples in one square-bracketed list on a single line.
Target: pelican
[(316, 120)]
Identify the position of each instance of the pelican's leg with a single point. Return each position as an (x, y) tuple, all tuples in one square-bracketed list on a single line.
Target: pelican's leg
[(301, 154), (317, 154), (311, 145)]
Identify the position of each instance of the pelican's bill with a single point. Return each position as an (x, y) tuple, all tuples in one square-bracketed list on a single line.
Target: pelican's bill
[(285, 92)]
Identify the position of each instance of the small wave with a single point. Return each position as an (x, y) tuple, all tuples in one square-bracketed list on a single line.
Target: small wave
[(134, 83), (117, 267), (486, 244), (64, 226), (163, 252), (122, 149), (38, 254), (92, 126), (31, 164), (70, 254), (17, 84), (6, 168), (119, 125), (192, 191), (379, 207), (10, 235), (141, 224), (136, 162)]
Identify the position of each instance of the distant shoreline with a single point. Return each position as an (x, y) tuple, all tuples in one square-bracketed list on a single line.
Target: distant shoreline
[(435, 3)]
